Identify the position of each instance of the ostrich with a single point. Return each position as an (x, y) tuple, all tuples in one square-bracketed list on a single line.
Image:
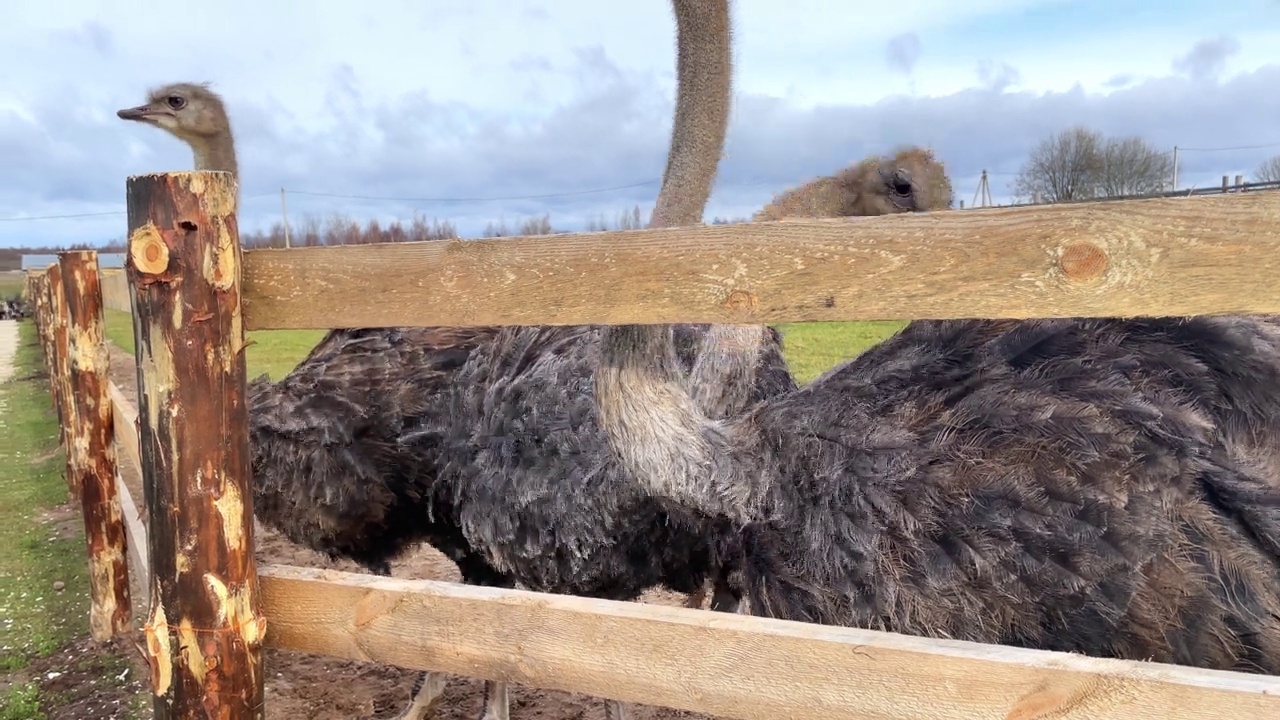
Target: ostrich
[(910, 179), (326, 476), (328, 471), (1101, 486), (522, 458)]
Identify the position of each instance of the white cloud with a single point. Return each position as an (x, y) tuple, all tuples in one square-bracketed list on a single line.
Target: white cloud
[(405, 99)]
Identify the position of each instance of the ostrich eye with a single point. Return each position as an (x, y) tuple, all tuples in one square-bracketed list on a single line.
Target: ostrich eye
[(902, 187), (176, 102)]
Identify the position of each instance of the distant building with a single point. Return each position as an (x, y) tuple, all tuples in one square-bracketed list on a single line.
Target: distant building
[(40, 262)]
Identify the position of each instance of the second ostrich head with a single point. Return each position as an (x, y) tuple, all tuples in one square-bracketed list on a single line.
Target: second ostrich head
[(194, 114)]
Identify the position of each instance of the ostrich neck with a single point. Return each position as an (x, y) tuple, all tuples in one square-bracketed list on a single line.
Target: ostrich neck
[(724, 373), (661, 434), (216, 153)]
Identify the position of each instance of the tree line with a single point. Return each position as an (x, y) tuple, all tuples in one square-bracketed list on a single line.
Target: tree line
[(1081, 164)]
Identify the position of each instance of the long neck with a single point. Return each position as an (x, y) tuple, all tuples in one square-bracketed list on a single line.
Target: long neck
[(704, 78), (658, 429), (216, 153), (724, 375), (663, 437)]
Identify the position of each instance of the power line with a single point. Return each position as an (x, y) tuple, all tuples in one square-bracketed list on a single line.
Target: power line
[(477, 199), (1228, 149), (543, 196), (61, 217)]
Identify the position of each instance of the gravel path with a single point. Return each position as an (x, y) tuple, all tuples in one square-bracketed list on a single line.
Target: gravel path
[(8, 347)]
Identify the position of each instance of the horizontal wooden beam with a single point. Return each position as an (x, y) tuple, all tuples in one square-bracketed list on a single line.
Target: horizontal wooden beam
[(115, 290), (126, 432), (1177, 256), (729, 665)]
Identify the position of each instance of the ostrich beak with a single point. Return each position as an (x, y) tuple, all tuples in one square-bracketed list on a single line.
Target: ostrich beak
[(142, 113)]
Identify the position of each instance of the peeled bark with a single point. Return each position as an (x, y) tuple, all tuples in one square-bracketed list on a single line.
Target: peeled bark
[(204, 632)]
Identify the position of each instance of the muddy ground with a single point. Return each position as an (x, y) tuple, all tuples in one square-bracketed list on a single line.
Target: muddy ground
[(309, 687)]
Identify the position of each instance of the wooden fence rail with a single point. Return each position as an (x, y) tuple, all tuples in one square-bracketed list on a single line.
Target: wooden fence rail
[(1181, 256), (1172, 256)]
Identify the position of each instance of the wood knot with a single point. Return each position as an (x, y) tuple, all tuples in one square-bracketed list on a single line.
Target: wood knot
[(148, 251), (1083, 261), (741, 300)]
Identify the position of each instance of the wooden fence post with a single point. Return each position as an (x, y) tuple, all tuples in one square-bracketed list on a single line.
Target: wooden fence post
[(204, 631), (91, 455), (60, 362), (44, 327)]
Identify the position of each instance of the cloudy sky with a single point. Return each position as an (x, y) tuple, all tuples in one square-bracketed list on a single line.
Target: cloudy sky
[(497, 109)]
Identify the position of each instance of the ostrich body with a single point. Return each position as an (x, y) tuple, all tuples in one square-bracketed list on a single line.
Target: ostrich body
[(1103, 486), (1058, 484)]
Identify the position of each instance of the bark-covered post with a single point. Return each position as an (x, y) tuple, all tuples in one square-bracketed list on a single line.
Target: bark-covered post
[(44, 324), (204, 631), (91, 453), (61, 364)]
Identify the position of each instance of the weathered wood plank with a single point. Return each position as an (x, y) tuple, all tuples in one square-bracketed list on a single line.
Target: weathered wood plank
[(126, 424), (126, 419), (115, 290), (204, 633), (1176, 256), (729, 665), (91, 457)]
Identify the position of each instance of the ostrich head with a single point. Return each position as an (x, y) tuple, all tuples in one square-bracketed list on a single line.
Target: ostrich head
[(912, 180), (195, 115), (190, 111)]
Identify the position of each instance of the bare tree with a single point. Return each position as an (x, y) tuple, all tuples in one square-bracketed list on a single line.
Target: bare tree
[(1268, 171), (626, 220), (1132, 166), (1062, 167)]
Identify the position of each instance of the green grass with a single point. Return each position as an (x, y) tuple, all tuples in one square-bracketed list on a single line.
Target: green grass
[(10, 284), (21, 701), (41, 543), (814, 348), (811, 348), (274, 352), (34, 619)]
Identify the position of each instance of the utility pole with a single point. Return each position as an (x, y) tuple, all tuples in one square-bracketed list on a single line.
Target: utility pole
[(983, 192), (1175, 168), (284, 213)]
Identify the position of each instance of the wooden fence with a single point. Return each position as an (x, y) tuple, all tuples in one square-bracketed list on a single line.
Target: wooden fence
[(210, 609)]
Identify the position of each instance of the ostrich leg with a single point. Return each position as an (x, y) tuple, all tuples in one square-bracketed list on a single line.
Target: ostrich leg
[(427, 690), (497, 705)]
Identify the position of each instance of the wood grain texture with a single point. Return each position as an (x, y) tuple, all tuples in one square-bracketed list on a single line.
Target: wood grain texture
[(60, 363), (126, 427), (730, 665), (41, 313), (1169, 256), (204, 633), (91, 457), (115, 290)]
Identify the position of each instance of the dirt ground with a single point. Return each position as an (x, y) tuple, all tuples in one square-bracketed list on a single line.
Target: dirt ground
[(311, 687)]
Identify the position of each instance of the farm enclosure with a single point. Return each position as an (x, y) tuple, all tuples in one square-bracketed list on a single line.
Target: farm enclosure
[(1178, 256)]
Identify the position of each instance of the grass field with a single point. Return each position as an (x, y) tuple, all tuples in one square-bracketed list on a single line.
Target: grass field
[(10, 283), (811, 348), (274, 352), (44, 584), (33, 618)]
